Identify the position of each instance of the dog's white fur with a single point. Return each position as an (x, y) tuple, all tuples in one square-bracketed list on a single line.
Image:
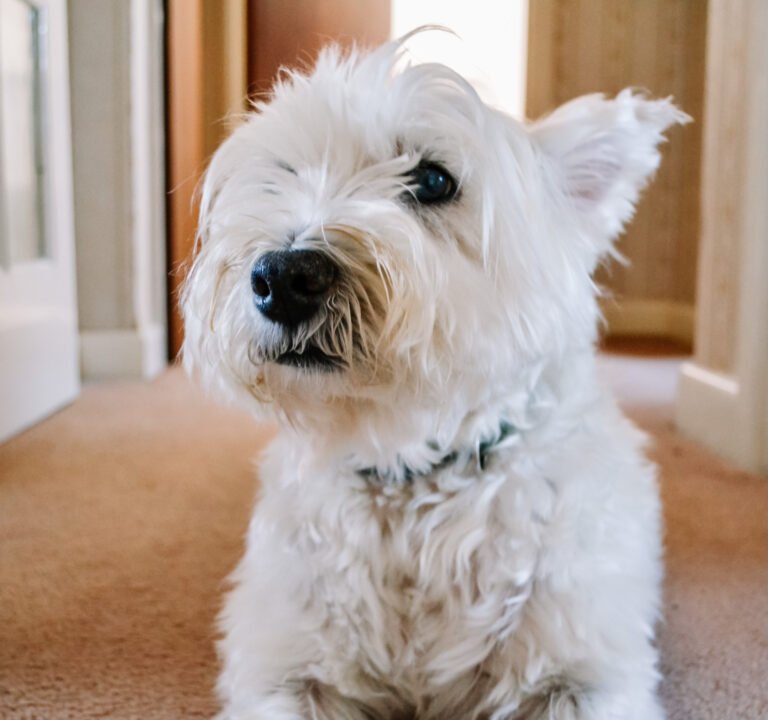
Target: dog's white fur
[(529, 589)]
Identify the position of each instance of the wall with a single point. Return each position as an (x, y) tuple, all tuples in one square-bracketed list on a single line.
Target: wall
[(116, 75), (583, 46)]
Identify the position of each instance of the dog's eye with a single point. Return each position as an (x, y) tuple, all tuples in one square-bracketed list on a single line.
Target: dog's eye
[(433, 183)]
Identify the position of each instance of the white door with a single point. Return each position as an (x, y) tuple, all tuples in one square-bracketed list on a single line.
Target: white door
[(38, 317)]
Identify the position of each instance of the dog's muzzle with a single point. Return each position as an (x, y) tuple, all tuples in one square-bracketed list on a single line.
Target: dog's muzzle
[(290, 286)]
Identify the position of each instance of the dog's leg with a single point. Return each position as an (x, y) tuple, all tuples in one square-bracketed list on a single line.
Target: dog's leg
[(302, 701), (607, 670), (326, 703), (570, 703), (273, 706)]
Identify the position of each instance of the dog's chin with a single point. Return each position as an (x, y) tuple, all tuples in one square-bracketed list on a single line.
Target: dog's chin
[(311, 358)]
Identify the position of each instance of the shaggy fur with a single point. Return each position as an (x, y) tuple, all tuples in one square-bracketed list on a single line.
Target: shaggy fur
[(392, 569)]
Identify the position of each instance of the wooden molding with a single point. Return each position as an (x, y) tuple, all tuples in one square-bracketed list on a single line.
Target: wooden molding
[(185, 144), (658, 318)]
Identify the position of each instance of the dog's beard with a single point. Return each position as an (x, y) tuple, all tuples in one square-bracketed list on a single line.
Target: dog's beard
[(346, 334), (310, 346), (363, 341)]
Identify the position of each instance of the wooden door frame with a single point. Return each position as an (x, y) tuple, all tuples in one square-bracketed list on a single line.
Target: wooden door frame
[(185, 157), (205, 83)]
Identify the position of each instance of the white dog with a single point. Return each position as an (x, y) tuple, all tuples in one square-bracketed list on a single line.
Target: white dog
[(455, 519)]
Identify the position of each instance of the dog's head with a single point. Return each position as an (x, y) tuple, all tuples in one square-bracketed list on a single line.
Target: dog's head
[(375, 235)]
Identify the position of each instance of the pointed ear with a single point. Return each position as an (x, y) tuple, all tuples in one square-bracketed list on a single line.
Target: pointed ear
[(604, 152)]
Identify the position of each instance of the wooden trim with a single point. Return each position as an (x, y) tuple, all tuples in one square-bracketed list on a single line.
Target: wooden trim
[(225, 59), (206, 85), (185, 144), (657, 318), (724, 183)]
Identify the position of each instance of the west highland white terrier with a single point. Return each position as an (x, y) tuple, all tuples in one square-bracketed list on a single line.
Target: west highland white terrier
[(455, 520)]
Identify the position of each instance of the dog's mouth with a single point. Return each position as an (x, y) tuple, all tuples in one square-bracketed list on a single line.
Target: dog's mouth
[(311, 358)]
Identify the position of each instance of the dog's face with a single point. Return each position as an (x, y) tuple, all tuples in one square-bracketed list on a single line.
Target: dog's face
[(378, 236)]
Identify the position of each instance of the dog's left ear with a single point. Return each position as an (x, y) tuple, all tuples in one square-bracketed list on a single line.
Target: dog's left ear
[(603, 152)]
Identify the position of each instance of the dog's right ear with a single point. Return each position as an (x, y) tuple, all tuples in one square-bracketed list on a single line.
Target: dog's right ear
[(603, 152)]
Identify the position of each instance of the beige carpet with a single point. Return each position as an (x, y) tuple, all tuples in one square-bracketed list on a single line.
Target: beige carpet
[(121, 515)]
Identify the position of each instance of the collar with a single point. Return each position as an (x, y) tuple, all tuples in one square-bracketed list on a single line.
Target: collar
[(479, 454)]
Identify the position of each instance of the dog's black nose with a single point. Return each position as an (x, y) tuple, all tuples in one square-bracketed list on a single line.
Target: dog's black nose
[(290, 285)]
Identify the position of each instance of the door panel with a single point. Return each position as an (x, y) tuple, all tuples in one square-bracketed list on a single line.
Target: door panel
[(38, 315), (291, 33)]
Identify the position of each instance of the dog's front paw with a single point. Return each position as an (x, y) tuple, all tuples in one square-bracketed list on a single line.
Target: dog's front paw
[(569, 703)]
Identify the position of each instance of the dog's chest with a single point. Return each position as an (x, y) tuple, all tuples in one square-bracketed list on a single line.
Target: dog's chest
[(425, 582)]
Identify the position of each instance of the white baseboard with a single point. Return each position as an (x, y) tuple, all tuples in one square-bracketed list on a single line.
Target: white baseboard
[(659, 318), (709, 409), (122, 354)]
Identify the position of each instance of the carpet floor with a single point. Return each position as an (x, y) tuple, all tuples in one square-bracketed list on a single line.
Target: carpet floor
[(121, 515)]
